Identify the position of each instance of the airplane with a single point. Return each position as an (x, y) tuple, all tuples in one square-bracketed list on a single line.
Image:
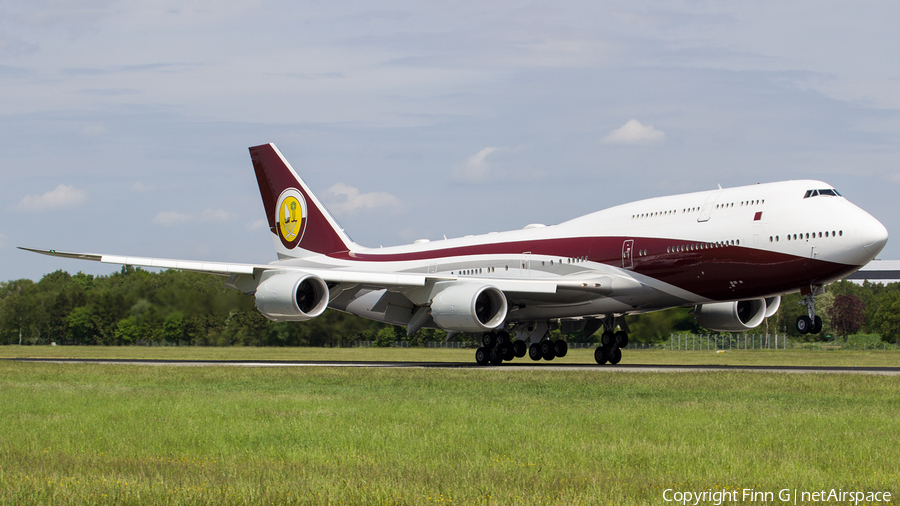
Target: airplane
[(728, 253)]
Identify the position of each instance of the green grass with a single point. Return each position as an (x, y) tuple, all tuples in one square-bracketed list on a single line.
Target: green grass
[(124, 434), (809, 358)]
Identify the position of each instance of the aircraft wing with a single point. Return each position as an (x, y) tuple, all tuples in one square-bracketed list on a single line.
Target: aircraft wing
[(603, 285), (227, 269), (220, 268)]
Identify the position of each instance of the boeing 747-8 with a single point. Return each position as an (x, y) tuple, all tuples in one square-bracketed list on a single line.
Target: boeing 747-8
[(729, 253)]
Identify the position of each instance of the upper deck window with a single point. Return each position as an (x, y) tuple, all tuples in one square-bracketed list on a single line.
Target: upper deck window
[(830, 192)]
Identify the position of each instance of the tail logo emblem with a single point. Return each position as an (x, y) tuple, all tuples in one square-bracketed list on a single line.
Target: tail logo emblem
[(291, 212)]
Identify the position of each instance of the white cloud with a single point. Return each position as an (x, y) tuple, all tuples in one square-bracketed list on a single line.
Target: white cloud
[(213, 215), (353, 200), (140, 187), (168, 218), (171, 218), (259, 224), (61, 196), (634, 132), (476, 169)]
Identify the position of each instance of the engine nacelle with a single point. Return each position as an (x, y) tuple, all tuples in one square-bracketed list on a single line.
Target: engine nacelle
[(292, 296), (732, 316), (772, 305), (469, 307)]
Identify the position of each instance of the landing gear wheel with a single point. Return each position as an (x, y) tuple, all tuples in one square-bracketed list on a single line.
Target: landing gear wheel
[(615, 355), (489, 340), (600, 355), (496, 358), (560, 348), (503, 337), (482, 357), (547, 350), (621, 339), (816, 326), (520, 349), (534, 352), (607, 339), (506, 351), (804, 324)]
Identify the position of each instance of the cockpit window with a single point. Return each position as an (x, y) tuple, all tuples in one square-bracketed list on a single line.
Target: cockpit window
[(831, 192)]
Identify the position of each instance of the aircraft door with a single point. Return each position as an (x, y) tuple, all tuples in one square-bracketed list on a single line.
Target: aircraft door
[(525, 264), (708, 206), (627, 254)]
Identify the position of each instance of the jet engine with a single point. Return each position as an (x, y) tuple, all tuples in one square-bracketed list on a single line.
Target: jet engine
[(292, 296), (772, 305), (734, 316), (469, 307)]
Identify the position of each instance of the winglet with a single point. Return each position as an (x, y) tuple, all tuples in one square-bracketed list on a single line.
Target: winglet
[(300, 224)]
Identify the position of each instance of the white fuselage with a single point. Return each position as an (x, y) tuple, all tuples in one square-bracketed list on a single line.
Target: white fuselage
[(727, 244)]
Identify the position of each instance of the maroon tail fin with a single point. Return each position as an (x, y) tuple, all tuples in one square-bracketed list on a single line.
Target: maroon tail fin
[(300, 224)]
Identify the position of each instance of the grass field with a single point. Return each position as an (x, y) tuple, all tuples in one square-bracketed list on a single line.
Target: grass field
[(126, 434), (799, 357)]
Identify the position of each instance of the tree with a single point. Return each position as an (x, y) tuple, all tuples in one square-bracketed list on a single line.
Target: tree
[(847, 315), (127, 331), (18, 309), (173, 327), (886, 321), (656, 327), (80, 325), (385, 337)]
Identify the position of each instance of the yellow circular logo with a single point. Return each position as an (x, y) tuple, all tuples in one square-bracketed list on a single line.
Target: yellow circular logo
[(290, 216)]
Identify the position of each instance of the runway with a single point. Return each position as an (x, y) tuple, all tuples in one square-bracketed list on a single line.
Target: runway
[(521, 366)]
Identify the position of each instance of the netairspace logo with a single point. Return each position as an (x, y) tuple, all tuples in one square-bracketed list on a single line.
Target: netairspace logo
[(783, 496)]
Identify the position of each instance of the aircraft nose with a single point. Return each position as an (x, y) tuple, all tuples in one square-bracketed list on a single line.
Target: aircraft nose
[(873, 236)]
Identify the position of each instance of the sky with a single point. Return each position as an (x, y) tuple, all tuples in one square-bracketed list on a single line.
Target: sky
[(124, 126)]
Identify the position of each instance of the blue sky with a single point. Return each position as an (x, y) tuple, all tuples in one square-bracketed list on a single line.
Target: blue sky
[(124, 126)]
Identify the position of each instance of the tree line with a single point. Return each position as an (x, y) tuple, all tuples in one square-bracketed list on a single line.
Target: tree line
[(135, 306)]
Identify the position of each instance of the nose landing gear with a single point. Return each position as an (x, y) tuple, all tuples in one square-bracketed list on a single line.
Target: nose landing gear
[(811, 323)]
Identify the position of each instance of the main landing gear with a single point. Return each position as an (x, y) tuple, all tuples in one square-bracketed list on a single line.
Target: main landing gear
[(547, 349), (611, 343), (811, 323), (497, 347)]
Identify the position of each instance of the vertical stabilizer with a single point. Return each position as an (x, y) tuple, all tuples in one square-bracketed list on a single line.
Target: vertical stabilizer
[(300, 224)]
